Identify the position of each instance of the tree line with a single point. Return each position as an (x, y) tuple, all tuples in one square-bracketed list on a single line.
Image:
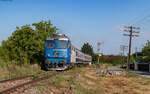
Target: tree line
[(143, 56), (112, 59)]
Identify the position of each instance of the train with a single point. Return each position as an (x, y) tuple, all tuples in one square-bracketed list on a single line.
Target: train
[(61, 54)]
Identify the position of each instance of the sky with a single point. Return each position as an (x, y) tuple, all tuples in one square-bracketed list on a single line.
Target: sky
[(82, 21)]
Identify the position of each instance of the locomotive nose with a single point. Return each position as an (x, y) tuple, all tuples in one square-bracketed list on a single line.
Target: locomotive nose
[(60, 53), (56, 53)]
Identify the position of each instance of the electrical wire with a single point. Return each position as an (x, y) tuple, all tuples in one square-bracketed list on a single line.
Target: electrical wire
[(138, 19)]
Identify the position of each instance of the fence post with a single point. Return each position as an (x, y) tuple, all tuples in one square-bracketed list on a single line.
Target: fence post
[(149, 67), (136, 66)]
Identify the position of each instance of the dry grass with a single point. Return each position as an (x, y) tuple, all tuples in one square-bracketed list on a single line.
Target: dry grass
[(114, 84), (12, 71)]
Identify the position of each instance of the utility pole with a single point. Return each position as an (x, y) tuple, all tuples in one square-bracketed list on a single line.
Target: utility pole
[(98, 50), (130, 30), (123, 48)]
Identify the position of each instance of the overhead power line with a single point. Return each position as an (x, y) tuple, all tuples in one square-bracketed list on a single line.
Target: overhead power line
[(141, 17)]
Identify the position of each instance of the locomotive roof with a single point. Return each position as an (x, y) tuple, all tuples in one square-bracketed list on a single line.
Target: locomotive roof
[(57, 37)]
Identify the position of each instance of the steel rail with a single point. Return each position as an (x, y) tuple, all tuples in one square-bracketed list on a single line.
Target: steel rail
[(17, 78)]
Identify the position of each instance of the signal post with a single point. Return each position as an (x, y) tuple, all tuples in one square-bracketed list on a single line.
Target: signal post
[(98, 50)]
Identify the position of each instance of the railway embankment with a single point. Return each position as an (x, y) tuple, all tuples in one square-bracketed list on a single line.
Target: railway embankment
[(91, 80), (86, 80)]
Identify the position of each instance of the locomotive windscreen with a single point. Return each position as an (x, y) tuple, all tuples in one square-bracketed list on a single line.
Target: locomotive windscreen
[(50, 44), (62, 44)]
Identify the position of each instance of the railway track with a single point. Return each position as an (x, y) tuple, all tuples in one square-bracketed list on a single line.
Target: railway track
[(4, 84), (18, 78), (27, 84)]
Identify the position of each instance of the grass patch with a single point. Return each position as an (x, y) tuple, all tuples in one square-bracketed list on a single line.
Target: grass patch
[(73, 70), (102, 75), (132, 74), (135, 75), (80, 90), (69, 81), (10, 70), (108, 65), (76, 69), (63, 81), (58, 81), (99, 65)]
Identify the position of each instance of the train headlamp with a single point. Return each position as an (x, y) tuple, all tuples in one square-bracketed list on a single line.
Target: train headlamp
[(48, 55)]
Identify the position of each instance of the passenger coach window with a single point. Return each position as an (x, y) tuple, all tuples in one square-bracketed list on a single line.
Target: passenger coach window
[(50, 44), (62, 44)]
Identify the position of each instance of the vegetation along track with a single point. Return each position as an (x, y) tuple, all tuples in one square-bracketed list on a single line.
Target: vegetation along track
[(28, 84), (14, 81)]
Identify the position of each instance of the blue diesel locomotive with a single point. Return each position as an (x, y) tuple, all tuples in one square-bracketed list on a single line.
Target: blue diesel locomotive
[(60, 54)]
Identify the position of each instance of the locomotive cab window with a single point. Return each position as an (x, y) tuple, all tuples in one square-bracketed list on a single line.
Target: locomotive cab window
[(62, 44), (69, 44), (50, 44)]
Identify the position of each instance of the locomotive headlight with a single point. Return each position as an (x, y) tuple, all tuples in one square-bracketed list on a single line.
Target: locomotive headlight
[(48, 55)]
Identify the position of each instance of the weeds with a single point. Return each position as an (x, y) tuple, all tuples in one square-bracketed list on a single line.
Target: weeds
[(58, 81), (132, 74), (12, 71)]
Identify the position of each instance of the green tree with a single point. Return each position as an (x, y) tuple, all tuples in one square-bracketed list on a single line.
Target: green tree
[(87, 48), (94, 58), (138, 56), (21, 46), (26, 45), (132, 60), (144, 55), (43, 30), (146, 52)]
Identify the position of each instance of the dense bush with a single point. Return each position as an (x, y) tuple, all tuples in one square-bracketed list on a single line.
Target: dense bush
[(109, 59), (144, 55), (146, 52), (113, 59), (26, 45)]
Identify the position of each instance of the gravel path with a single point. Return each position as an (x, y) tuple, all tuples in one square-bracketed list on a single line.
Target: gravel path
[(141, 73)]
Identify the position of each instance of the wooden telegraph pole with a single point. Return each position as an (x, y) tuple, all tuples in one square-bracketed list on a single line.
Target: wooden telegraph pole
[(130, 30)]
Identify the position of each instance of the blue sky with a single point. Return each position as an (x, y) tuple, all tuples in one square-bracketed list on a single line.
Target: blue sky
[(82, 20)]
